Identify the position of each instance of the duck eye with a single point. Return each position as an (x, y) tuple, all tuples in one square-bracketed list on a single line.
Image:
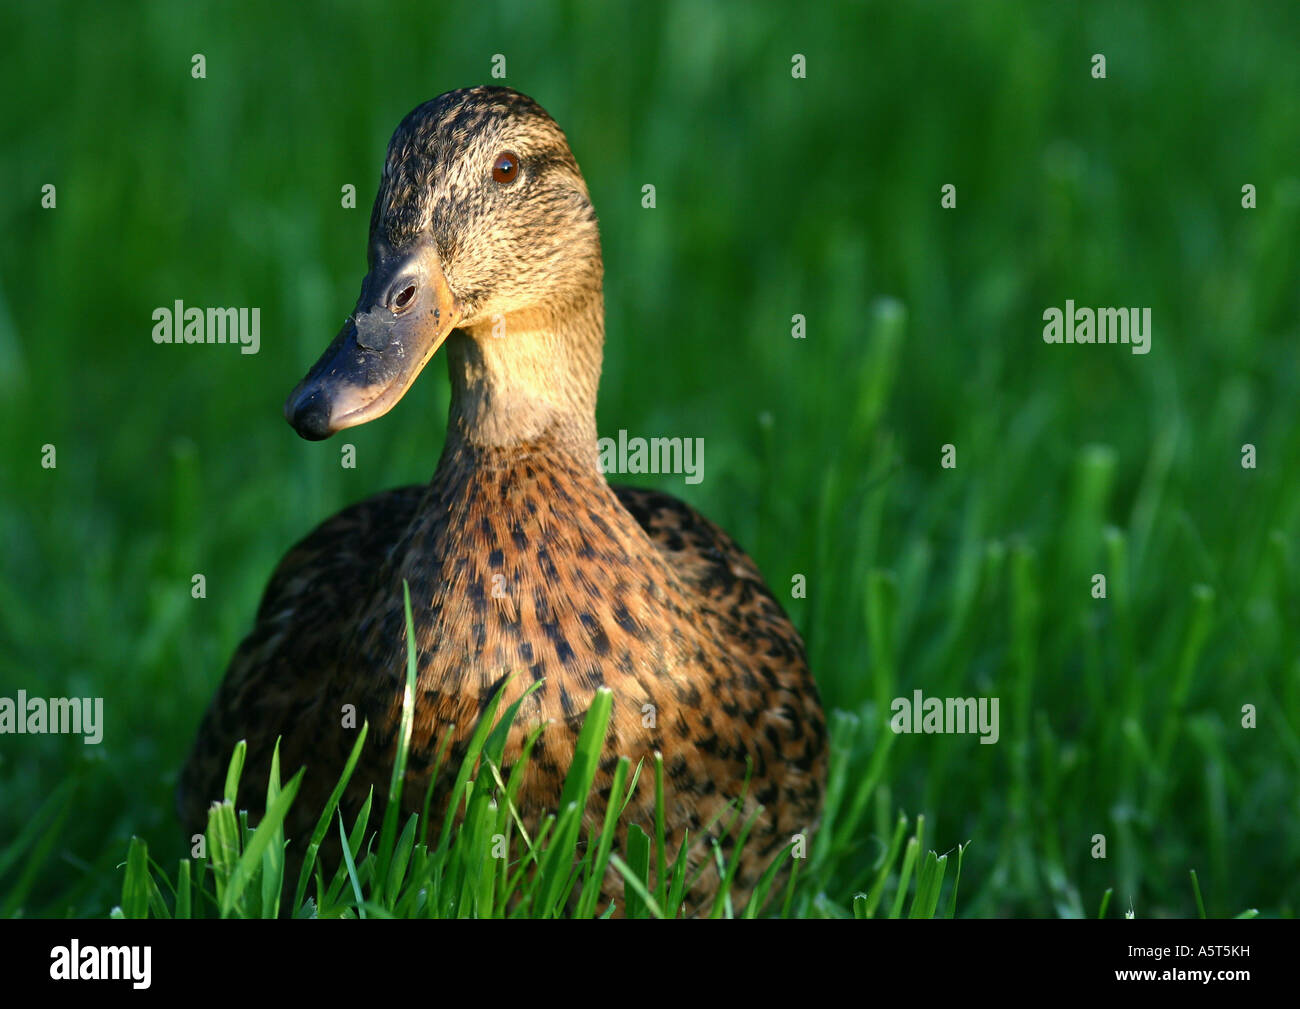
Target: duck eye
[(404, 297), (505, 169)]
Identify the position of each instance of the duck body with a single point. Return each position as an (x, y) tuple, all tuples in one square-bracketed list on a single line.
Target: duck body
[(524, 565)]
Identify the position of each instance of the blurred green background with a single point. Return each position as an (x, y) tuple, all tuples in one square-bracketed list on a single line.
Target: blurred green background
[(775, 196)]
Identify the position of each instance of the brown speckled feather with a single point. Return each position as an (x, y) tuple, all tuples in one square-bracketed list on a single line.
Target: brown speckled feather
[(521, 559)]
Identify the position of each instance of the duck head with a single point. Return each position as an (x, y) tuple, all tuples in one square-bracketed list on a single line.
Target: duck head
[(483, 238)]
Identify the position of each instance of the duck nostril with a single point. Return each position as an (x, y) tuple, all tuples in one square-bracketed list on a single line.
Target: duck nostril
[(404, 297)]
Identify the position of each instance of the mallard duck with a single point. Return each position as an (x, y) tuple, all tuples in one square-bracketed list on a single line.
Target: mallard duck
[(520, 557)]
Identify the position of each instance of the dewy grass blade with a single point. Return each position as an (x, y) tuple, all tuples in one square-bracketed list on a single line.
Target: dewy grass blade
[(481, 732), (604, 844), (322, 824), (223, 846), (926, 901), (393, 809), (638, 860), (573, 799), (495, 745), (136, 884), (733, 866), (271, 825), (511, 789), (401, 860), (354, 839), (661, 848), (905, 876), (633, 881), (677, 887), (764, 885), (273, 857), (587, 751), (352, 869), (434, 771), (184, 907), (877, 890), (234, 771), (956, 881), (1196, 889)]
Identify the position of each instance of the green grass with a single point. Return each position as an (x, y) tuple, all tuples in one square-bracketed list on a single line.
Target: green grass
[(484, 865), (1120, 716)]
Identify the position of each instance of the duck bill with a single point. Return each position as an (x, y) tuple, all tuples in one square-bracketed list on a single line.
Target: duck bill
[(380, 350)]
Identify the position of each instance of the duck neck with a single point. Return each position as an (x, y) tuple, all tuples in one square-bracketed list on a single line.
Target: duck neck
[(527, 377)]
